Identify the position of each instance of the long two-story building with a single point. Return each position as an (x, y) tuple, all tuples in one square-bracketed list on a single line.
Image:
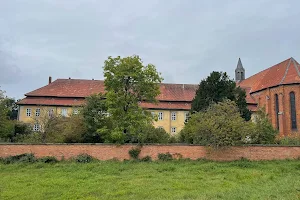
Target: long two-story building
[(277, 89)]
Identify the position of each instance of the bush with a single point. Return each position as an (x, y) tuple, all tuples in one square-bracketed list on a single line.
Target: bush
[(84, 158), (146, 159), (22, 158), (48, 159), (134, 153), (150, 134), (289, 140), (219, 125), (165, 156), (264, 132)]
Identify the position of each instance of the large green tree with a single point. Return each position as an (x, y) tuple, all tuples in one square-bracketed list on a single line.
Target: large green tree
[(96, 119), (128, 82), (216, 88), (6, 125)]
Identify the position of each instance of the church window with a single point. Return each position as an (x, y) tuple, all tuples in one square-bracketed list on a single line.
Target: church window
[(293, 110), (277, 110)]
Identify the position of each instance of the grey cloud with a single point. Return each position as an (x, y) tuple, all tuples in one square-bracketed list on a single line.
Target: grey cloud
[(186, 40)]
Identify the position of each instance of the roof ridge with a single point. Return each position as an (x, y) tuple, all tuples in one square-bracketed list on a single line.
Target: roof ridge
[(286, 71), (296, 66)]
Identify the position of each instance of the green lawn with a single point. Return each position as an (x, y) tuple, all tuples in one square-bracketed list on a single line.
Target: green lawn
[(156, 180)]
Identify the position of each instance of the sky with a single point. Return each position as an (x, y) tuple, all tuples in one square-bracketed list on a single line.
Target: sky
[(184, 39)]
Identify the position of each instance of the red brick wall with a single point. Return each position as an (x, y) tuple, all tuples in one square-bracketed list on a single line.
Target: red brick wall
[(106, 152), (266, 98)]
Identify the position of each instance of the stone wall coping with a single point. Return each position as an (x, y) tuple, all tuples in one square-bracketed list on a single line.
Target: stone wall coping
[(147, 144)]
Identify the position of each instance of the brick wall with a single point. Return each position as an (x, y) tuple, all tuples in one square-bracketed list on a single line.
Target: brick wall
[(106, 151)]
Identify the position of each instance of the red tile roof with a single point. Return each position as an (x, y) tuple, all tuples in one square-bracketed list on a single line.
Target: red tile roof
[(52, 101), (83, 88), (286, 72)]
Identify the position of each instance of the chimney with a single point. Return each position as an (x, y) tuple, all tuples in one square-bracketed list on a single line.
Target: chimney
[(50, 79)]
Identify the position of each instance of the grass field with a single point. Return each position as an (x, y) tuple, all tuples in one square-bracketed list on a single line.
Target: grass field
[(155, 180)]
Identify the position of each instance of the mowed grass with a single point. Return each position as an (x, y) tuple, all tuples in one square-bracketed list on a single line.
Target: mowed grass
[(154, 180)]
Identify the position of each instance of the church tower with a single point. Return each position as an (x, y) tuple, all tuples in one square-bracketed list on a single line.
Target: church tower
[(239, 71)]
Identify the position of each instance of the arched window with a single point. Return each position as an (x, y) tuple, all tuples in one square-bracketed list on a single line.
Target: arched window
[(277, 111), (242, 76), (293, 110)]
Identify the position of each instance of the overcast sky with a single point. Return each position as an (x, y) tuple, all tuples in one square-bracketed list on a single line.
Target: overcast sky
[(184, 39)]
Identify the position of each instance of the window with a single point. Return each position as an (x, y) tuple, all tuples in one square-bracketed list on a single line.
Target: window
[(28, 112), (51, 112), (153, 115), (36, 127), (160, 116), (37, 112), (186, 116), (160, 127), (173, 116), (64, 112), (75, 111), (173, 130), (277, 111), (293, 110)]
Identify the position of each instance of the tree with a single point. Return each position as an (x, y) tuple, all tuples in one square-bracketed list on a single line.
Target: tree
[(6, 125), (128, 82), (217, 87), (219, 125), (96, 119)]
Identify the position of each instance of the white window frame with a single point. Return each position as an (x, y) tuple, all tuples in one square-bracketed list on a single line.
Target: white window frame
[(37, 112), (173, 116), (160, 127), (28, 112), (160, 116), (36, 127), (173, 129), (186, 114), (51, 112), (75, 111), (64, 112)]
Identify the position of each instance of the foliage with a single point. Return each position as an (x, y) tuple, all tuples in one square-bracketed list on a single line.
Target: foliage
[(84, 158), (216, 88), (48, 159), (219, 125), (33, 138), (146, 159), (150, 134), (96, 119), (6, 126), (128, 82), (165, 156), (65, 129), (289, 140), (264, 132), (22, 158), (134, 153)]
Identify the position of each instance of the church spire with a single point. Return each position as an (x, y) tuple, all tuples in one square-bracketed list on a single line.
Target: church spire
[(239, 71)]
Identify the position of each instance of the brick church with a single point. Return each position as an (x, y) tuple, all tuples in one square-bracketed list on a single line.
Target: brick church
[(277, 90)]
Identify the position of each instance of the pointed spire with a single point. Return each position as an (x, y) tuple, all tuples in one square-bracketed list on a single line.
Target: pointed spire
[(239, 65), (239, 71)]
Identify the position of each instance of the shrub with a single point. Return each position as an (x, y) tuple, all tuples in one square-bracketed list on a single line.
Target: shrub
[(84, 158), (289, 141), (48, 159), (264, 132), (150, 134), (165, 156), (219, 125), (146, 159), (134, 153), (22, 158)]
